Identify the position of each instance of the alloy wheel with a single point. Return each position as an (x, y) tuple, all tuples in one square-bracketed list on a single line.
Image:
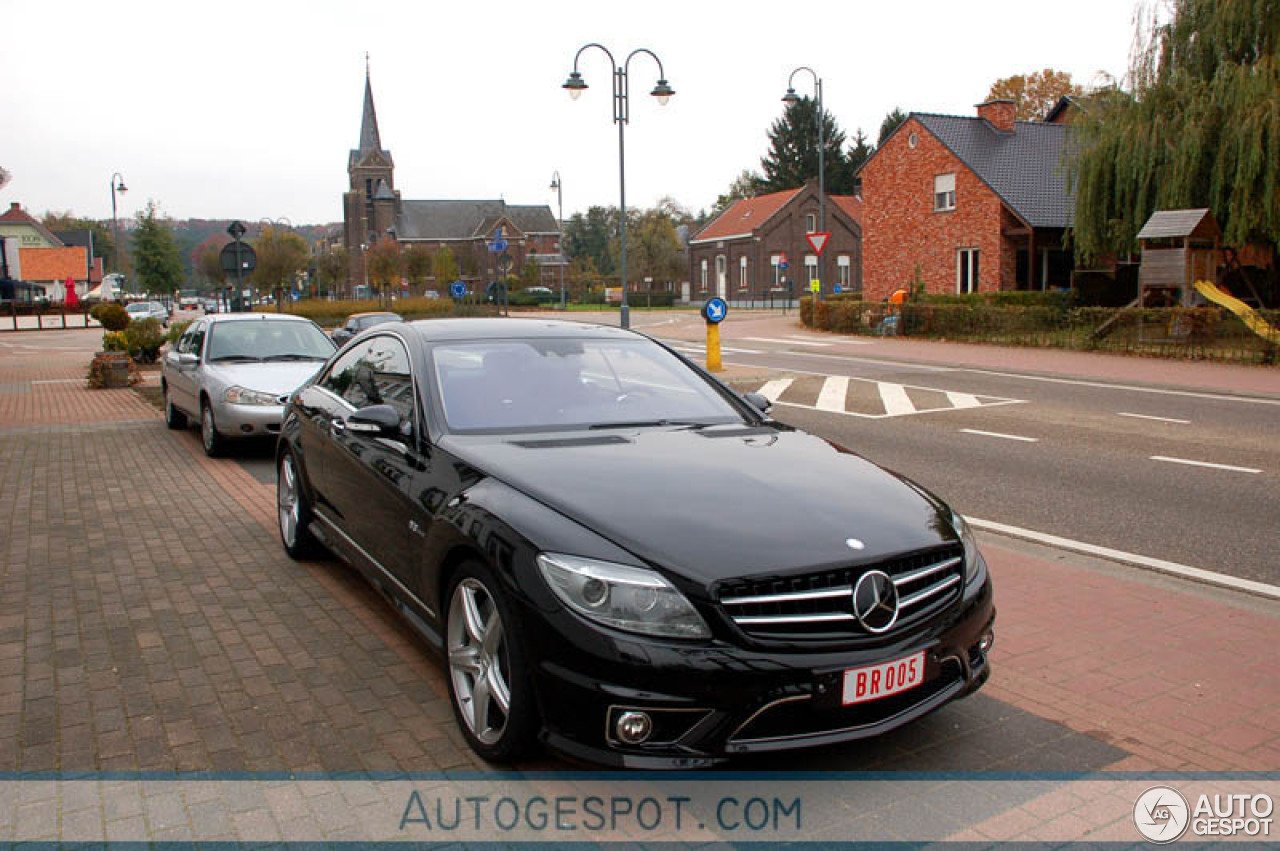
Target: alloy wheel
[(287, 501), (478, 661)]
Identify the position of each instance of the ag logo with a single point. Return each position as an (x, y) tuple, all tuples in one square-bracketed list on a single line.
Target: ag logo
[(1161, 814)]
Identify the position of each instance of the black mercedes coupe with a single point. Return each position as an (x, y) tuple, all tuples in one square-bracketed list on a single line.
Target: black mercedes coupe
[(619, 556)]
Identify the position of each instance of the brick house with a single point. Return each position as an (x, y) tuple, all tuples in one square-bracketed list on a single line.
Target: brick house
[(373, 210), (739, 254), (970, 204), (49, 268)]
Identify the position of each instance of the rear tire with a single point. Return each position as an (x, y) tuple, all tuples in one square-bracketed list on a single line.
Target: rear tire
[(293, 510), (213, 443), (488, 675), (173, 418)]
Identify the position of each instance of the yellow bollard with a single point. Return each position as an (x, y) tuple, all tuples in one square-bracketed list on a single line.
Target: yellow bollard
[(713, 347)]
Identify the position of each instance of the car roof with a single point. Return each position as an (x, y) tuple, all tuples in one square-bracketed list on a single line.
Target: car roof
[(249, 317), (373, 313), (436, 330)]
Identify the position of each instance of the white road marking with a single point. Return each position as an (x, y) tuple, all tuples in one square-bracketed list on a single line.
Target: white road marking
[(1000, 435), (787, 342), (685, 345), (1209, 464), (773, 390), (896, 401), (1220, 397), (963, 400), (1172, 567), (902, 409), (834, 390), (828, 341), (57, 381), (1157, 419)]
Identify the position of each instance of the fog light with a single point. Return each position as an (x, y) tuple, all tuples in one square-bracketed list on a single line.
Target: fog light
[(633, 728), (985, 643)]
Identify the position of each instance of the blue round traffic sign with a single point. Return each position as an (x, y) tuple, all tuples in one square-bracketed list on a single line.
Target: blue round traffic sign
[(457, 289), (715, 310)]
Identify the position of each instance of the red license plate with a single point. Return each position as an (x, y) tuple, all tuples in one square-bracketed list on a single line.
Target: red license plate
[(887, 678)]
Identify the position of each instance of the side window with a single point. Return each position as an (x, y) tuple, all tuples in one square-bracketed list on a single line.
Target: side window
[(385, 369), (195, 339), (342, 374)]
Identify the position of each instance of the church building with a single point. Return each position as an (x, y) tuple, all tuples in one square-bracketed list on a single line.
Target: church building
[(373, 210)]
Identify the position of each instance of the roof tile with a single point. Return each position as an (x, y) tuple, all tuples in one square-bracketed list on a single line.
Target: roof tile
[(53, 264), (745, 215)]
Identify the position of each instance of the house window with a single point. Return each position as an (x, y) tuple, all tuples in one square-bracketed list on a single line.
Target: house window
[(776, 262), (944, 192), (966, 270), (842, 272), (742, 272), (811, 223), (703, 281), (810, 269)]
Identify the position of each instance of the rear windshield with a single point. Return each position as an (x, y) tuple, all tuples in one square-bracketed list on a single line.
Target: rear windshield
[(268, 339), (515, 385)]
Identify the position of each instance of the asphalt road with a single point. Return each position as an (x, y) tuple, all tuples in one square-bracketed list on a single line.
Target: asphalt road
[(1181, 475)]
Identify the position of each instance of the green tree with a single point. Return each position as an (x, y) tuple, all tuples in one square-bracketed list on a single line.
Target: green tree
[(891, 122), (653, 247), (331, 269), (444, 268), (860, 150), (1036, 93), (793, 151), (281, 256), (593, 235), (530, 274), (417, 264), (1199, 127), (747, 184), (155, 254)]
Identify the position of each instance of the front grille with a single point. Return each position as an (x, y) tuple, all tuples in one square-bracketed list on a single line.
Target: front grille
[(820, 605)]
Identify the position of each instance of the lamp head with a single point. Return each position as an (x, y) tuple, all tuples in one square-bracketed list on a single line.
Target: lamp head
[(555, 183), (575, 84), (790, 97), (663, 92), (120, 187)]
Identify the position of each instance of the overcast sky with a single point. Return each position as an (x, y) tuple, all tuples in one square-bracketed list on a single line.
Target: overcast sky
[(248, 110)]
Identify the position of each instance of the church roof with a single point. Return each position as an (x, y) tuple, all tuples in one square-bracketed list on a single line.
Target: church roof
[(370, 140), (432, 220)]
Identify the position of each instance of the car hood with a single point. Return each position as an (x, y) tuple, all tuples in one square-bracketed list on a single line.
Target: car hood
[(278, 377), (721, 502)]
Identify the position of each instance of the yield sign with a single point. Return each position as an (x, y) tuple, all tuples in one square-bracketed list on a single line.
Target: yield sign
[(819, 240)]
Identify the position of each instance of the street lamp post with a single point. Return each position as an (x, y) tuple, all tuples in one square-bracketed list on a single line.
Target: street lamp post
[(792, 98), (621, 116), (558, 187), (117, 185)]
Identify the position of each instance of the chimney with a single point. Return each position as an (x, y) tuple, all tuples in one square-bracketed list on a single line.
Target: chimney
[(14, 205), (999, 114)]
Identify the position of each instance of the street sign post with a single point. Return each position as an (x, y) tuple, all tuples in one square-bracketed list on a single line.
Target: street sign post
[(457, 289), (819, 241), (714, 311)]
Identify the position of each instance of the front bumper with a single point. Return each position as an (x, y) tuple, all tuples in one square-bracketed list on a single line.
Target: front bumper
[(714, 701), (247, 420)]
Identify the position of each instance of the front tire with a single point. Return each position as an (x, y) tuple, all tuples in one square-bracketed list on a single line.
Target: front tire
[(489, 684), (293, 510), (213, 443), (173, 418)]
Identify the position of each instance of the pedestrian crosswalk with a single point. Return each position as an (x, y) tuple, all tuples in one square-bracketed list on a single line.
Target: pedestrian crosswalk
[(871, 399)]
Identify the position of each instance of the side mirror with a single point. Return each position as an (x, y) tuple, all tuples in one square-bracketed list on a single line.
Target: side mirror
[(376, 420), (759, 401), (187, 359)]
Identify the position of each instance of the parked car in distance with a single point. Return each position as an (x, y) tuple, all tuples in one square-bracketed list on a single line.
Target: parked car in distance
[(542, 294), (430, 294), (619, 556), (358, 322), (148, 310), (233, 373)]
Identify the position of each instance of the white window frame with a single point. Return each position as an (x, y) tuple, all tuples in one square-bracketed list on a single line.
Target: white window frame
[(776, 262), (810, 269), (703, 281), (944, 192), (742, 272), (968, 267), (810, 222), (842, 271)]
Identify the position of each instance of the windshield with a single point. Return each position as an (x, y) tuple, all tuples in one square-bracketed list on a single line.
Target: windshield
[(138, 308), (517, 385), (268, 339)]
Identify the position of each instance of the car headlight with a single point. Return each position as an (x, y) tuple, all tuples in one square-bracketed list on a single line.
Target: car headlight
[(245, 396), (629, 598), (971, 557)]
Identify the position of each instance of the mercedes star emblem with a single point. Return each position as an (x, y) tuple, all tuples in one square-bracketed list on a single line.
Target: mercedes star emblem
[(875, 601)]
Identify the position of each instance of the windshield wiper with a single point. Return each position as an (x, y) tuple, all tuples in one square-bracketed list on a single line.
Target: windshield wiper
[(651, 424), (237, 358), (295, 356)]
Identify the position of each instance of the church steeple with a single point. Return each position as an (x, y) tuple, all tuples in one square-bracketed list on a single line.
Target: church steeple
[(369, 138)]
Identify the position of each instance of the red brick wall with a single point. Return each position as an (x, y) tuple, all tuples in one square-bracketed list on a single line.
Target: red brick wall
[(900, 229)]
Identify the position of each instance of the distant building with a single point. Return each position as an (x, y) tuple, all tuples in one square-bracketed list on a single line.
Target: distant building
[(373, 211), (49, 268), (969, 204), (759, 247), (43, 259)]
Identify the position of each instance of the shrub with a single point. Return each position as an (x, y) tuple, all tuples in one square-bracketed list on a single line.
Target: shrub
[(115, 341), (144, 337), (176, 330), (112, 316), (335, 312)]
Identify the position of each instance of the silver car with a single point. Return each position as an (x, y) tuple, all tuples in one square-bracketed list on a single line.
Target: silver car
[(148, 310), (233, 373)]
